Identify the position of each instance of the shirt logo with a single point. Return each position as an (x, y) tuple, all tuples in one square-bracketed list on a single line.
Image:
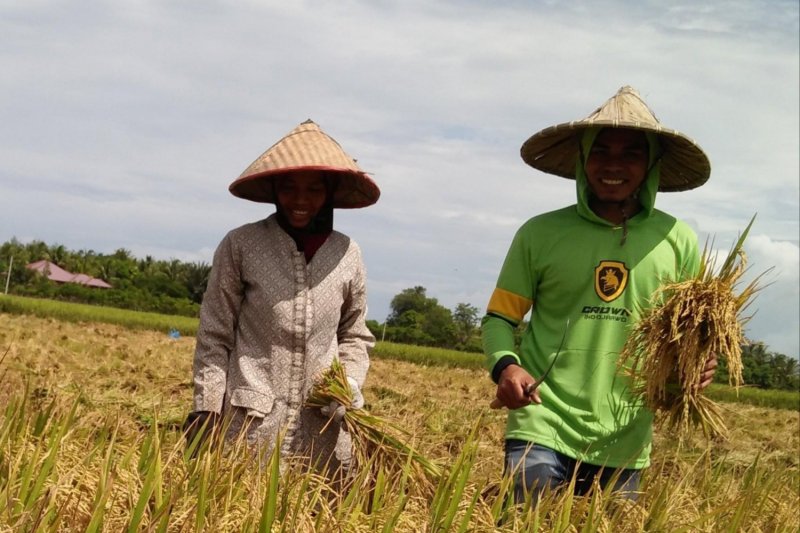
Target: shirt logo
[(610, 280)]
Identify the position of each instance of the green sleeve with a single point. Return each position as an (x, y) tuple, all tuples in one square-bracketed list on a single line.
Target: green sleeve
[(518, 275), (498, 340)]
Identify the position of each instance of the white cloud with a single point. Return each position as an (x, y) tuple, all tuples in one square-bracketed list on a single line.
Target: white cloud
[(773, 314), (124, 122), (777, 313)]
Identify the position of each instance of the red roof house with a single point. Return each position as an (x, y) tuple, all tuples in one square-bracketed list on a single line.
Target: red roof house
[(59, 275)]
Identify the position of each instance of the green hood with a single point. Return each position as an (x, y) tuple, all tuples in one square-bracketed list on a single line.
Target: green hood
[(646, 193)]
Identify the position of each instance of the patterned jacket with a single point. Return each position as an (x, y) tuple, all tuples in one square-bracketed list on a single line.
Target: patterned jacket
[(270, 324)]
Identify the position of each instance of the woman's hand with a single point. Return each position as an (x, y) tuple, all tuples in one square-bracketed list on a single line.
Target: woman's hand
[(333, 410), (336, 411), (358, 398), (197, 428)]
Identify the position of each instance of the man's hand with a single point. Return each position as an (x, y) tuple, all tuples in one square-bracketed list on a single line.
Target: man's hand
[(512, 386), (708, 372)]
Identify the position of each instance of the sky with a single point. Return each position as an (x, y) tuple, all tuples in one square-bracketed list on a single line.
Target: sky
[(123, 122)]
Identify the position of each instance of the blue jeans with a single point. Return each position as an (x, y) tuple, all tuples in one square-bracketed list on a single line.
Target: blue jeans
[(537, 468)]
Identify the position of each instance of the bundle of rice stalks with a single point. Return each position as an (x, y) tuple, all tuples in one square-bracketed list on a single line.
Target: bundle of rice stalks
[(688, 322), (377, 444)]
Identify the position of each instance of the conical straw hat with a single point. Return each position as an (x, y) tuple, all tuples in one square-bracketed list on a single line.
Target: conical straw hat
[(307, 147), (555, 150)]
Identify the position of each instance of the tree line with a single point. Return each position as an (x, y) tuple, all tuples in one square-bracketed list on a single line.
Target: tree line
[(170, 287), (767, 370), (416, 318), (176, 287)]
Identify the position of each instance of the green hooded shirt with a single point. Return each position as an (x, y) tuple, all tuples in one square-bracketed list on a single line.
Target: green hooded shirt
[(574, 272)]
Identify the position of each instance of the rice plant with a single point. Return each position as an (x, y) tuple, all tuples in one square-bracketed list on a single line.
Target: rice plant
[(90, 440), (687, 323), (378, 444)]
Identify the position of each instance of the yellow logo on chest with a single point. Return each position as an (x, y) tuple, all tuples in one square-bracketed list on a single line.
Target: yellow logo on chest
[(610, 280)]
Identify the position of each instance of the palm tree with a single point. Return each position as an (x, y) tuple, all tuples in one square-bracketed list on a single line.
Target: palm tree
[(57, 254), (784, 371), (755, 360), (37, 250), (195, 279), (173, 269), (87, 260), (147, 266)]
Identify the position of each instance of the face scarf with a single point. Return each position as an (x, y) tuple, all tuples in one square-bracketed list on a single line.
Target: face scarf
[(309, 239)]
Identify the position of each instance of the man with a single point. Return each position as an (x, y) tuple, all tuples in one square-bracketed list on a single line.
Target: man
[(585, 272)]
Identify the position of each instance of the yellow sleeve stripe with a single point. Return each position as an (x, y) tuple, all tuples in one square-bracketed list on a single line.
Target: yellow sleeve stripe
[(508, 304)]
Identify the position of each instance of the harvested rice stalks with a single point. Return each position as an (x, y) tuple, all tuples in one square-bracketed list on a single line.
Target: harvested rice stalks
[(670, 344), (375, 442)]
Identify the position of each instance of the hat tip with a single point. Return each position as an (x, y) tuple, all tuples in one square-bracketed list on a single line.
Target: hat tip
[(627, 89)]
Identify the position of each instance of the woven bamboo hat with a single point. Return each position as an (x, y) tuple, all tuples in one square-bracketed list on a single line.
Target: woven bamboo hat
[(555, 150), (307, 147)]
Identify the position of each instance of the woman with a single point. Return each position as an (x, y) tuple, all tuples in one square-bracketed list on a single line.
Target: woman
[(285, 297)]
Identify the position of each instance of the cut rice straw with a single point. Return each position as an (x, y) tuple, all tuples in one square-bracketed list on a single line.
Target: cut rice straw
[(376, 444), (688, 321)]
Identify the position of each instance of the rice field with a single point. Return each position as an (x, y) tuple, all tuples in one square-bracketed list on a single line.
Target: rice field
[(75, 312), (90, 440), (427, 356)]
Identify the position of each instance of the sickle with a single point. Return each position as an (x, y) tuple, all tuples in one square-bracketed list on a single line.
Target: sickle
[(531, 387)]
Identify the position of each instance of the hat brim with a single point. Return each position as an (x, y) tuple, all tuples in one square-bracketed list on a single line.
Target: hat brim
[(354, 189), (555, 150)]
